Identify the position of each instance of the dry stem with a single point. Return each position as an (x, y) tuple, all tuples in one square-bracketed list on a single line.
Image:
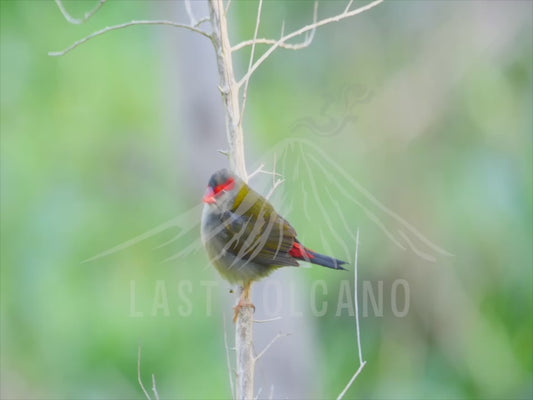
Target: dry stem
[(126, 25), (78, 21), (362, 363), (139, 378), (308, 28)]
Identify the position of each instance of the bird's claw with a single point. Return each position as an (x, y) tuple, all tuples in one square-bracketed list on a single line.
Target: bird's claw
[(238, 307)]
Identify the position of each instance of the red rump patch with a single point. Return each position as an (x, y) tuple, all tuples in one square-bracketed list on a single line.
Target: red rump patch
[(298, 251)]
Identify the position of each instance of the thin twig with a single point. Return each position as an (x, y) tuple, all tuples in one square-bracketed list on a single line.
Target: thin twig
[(139, 374), (354, 377), (258, 170), (192, 19), (280, 42), (154, 388), (274, 169), (276, 184), (126, 25), (303, 30), (252, 53), (78, 21), (188, 8), (356, 299), (288, 46), (228, 361), (201, 21), (348, 6), (274, 340), (362, 363), (227, 8), (261, 170), (262, 321)]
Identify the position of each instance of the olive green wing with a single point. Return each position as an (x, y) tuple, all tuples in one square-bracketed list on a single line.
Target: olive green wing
[(258, 233)]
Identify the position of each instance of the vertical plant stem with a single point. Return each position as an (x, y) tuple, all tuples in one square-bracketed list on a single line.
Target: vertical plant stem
[(244, 346), (230, 95), (228, 87)]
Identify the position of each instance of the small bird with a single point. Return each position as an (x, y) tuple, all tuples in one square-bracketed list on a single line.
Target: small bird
[(246, 239)]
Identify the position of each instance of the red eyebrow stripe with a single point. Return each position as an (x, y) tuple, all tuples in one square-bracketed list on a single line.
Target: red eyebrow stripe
[(228, 185)]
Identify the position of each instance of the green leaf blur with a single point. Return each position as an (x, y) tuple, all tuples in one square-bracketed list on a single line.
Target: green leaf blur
[(425, 105)]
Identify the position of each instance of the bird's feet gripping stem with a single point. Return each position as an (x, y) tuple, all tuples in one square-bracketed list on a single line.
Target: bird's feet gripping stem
[(244, 301)]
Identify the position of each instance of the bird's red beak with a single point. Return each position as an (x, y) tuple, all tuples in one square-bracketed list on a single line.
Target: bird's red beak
[(209, 197)]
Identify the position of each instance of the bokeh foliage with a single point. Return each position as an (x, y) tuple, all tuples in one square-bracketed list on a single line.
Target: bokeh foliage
[(92, 155)]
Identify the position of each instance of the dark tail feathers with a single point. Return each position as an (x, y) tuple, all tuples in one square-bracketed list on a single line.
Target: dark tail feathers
[(325, 261)]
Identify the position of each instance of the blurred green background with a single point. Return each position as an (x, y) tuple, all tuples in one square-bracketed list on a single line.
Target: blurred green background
[(414, 115)]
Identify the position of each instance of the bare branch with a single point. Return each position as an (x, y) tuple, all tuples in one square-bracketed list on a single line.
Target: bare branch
[(308, 28), (139, 373), (362, 363), (77, 21), (307, 41), (296, 46), (126, 25), (228, 361), (274, 340), (288, 46)]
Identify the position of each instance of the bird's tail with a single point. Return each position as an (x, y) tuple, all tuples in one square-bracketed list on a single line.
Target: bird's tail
[(325, 261), (303, 253)]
